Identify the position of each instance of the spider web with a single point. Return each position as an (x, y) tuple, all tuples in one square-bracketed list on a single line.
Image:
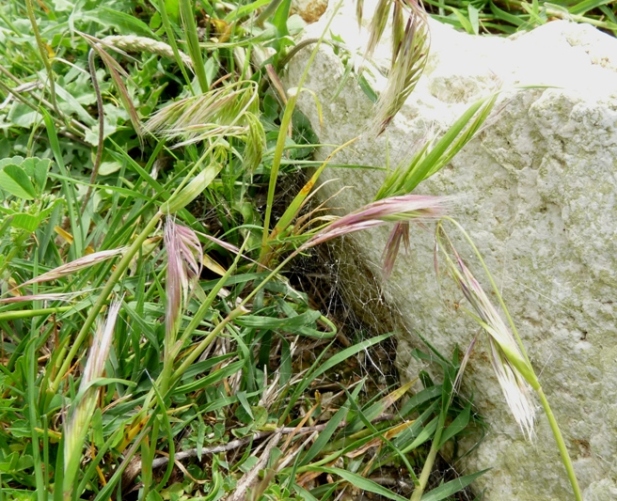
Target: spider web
[(358, 310)]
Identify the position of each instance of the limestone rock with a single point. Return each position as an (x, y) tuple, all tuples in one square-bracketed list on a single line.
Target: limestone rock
[(537, 191)]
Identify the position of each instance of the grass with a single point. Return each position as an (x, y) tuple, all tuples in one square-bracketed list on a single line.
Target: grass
[(509, 16), (152, 344)]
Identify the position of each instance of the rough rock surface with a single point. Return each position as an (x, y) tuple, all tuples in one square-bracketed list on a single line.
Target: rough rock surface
[(537, 191)]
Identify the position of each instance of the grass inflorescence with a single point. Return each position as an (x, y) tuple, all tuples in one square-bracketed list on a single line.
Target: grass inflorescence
[(152, 345)]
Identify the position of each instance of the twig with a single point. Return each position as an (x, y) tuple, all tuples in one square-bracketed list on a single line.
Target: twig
[(249, 478), (135, 466)]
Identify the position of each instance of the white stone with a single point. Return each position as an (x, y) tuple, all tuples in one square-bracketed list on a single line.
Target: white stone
[(536, 189)]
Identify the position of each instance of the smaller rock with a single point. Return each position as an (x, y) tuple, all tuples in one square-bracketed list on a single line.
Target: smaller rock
[(309, 10)]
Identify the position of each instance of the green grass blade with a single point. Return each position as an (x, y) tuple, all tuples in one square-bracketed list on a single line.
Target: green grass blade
[(362, 483), (33, 418), (430, 393), (316, 370), (423, 436), (506, 17), (452, 487), (291, 324), (457, 136), (245, 10), (324, 436), (187, 15), (69, 193), (280, 146), (19, 314), (293, 209), (379, 407), (457, 425), (211, 379), (163, 421), (171, 39), (124, 23)]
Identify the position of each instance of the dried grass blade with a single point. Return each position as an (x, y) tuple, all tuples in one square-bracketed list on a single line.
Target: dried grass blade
[(76, 265), (116, 71), (80, 416), (250, 478), (42, 297)]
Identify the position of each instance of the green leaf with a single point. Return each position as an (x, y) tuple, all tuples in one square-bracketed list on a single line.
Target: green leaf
[(452, 487), (378, 408), (204, 365), (14, 180), (424, 436), (245, 404), (324, 437), (22, 115), (191, 191), (37, 170), (187, 16), (288, 324), (172, 8), (209, 380), (362, 483), (27, 222), (474, 18), (17, 160), (121, 22), (15, 462), (154, 496), (587, 5), (241, 11), (506, 17), (260, 414), (348, 352), (368, 89), (459, 424), (464, 22), (280, 18), (418, 399), (124, 23), (72, 105)]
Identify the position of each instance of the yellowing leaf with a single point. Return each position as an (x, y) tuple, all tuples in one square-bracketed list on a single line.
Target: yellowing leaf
[(213, 266), (65, 235)]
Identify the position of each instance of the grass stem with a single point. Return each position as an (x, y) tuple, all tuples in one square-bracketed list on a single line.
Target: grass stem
[(102, 299), (44, 55), (565, 456), (428, 465), (280, 145)]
